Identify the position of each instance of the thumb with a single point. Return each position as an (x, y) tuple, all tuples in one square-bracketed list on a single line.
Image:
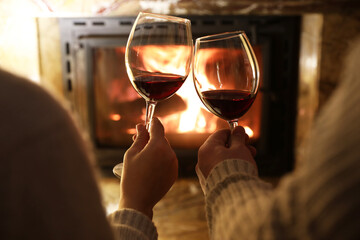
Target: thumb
[(142, 138)]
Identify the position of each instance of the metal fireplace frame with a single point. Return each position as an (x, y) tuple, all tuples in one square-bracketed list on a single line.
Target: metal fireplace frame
[(279, 38)]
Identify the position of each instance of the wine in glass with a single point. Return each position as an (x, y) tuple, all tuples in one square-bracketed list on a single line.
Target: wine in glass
[(158, 57), (226, 74)]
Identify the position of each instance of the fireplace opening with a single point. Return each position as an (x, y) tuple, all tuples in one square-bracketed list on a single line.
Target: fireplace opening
[(97, 85), (118, 107)]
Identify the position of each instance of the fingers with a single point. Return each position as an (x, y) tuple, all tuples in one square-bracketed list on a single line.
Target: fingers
[(141, 139), (247, 139), (252, 150), (156, 129), (239, 137), (142, 135), (220, 137)]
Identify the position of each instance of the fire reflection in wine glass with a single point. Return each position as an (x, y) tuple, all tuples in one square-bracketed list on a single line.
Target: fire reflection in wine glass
[(227, 83), (157, 76), (153, 73)]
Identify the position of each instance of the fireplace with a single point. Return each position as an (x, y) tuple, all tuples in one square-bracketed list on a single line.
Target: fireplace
[(97, 85)]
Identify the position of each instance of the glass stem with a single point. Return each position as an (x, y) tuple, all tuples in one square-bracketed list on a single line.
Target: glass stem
[(150, 108), (233, 124)]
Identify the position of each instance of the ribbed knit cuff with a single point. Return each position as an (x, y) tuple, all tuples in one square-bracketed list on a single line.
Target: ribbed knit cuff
[(132, 224), (227, 168)]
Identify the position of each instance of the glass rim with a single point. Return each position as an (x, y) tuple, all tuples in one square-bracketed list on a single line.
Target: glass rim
[(164, 16), (220, 36)]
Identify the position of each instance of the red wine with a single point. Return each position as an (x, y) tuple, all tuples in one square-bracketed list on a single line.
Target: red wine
[(158, 86), (228, 104)]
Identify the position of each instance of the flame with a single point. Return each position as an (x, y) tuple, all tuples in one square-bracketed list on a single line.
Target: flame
[(249, 131), (172, 59), (203, 56), (196, 118), (193, 119)]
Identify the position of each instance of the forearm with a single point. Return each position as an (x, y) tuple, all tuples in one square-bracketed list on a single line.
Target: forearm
[(235, 197), (305, 205)]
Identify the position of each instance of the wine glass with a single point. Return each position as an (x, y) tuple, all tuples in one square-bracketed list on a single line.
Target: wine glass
[(158, 57), (226, 74)]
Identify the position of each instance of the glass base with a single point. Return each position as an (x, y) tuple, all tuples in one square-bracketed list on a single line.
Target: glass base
[(117, 170)]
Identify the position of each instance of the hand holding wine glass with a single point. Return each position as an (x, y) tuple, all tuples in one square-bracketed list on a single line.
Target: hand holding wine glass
[(147, 177), (226, 74), (158, 59)]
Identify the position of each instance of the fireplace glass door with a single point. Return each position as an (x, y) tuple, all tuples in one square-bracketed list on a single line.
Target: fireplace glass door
[(96, 83), (118, 107)]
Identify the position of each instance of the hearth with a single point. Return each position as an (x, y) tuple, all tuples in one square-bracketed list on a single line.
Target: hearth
[(96, 84)]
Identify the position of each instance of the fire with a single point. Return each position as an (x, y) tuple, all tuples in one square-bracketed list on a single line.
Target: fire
[(204, 56), (165, 59), (195, 118), (249, 131), (172, 59)]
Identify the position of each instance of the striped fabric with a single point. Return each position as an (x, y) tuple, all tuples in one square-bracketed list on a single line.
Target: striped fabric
[(131, 224)]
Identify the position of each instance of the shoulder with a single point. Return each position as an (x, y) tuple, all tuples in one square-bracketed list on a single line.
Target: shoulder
[(20, 93), (27, 108)]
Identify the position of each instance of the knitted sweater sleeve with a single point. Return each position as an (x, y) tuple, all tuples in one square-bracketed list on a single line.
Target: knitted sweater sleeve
[(131, 224), (319, 200), (318, 203), (235, 197)]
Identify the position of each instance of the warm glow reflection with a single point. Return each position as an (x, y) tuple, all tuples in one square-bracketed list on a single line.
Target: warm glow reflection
[(204, 56), (115, 117), (131, 131), (172, 59), (248, 131)]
